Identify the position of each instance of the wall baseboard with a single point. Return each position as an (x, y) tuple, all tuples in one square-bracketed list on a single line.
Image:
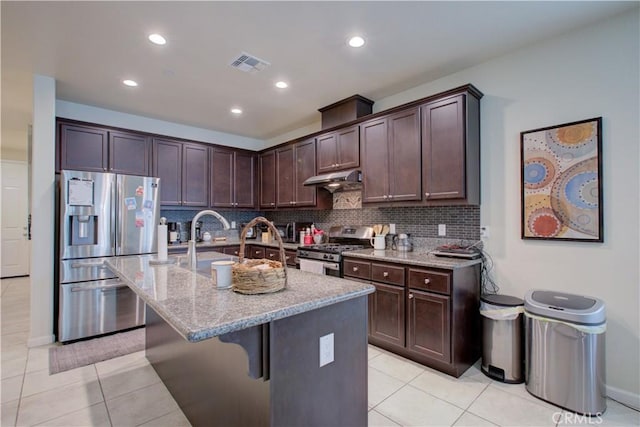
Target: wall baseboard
[(624, 396), (38, 341)]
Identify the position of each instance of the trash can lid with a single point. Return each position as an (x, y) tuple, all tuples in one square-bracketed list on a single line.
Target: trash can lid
[(503, 300), (567, 307)]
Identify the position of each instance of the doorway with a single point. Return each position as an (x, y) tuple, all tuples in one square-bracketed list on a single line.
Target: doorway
[(15, 255)]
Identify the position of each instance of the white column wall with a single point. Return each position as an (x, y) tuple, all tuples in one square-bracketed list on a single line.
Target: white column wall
[(42, 210)]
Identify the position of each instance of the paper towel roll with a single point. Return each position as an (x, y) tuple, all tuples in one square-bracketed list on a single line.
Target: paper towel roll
[(162, 242)]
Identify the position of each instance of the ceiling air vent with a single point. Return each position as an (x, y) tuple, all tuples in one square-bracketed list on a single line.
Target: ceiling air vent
[(249, 63)]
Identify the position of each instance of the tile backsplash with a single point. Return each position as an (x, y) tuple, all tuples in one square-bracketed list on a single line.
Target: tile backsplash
[(462, 222)]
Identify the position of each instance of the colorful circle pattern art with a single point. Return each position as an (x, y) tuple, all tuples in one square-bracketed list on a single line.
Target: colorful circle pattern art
[(561, 189)]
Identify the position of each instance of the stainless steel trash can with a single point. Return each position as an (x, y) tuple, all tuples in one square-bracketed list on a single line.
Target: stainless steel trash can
[(564, 350), (502, 338)]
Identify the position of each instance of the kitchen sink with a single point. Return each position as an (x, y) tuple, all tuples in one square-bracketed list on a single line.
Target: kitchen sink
[(203, 266)]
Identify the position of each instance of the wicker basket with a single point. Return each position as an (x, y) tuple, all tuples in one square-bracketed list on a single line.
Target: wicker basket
[(259, 276)]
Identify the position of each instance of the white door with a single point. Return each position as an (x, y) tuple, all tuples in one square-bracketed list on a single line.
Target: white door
[(15, 194)]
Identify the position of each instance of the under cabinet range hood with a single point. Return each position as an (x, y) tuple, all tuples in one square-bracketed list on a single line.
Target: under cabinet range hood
[(337, 181)]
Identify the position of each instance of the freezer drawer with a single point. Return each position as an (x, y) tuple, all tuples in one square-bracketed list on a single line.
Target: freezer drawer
[(85, 270), (97, 307)]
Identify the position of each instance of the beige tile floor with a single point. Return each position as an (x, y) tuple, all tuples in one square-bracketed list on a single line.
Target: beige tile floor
[(127, 392)]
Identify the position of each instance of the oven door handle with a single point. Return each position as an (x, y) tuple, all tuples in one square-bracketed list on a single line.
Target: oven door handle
[(330, 266)]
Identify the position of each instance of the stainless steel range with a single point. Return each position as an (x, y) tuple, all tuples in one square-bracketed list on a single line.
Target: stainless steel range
[(326, 258)]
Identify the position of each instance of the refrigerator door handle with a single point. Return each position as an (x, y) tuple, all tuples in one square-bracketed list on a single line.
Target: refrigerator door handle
[(115, 214)]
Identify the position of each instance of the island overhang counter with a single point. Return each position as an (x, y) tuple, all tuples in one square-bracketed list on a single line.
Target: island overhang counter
[(232, 359)]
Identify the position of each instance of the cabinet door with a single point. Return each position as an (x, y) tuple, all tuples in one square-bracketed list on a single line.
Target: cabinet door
[(245, 180), (167, 165), (404, 156), (83, 148), (327, 153), (375, 161), (268, 180), (129, 153), (195, 175), (221, 178), (429, 330), (443, 149), (387, 314), (285, 175), (348, 143), (305, 167)]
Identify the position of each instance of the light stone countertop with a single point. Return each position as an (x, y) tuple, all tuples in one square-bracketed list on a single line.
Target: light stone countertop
[(421, 257), (197, 310)]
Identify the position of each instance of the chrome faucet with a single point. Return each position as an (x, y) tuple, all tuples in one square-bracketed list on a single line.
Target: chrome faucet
[(193, 260)]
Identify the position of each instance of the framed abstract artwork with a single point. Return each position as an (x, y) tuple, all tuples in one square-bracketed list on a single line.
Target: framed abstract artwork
[(561, 178)]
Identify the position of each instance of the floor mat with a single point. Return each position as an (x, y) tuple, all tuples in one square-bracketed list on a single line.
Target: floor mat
[(65, 357)]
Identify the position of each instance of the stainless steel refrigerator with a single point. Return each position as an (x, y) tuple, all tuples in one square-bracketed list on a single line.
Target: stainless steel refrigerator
[(102, 215)]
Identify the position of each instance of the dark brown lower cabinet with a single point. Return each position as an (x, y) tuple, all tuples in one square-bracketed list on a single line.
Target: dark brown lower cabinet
[(386, 306), (274, 254), (429, 315), (428, 325)]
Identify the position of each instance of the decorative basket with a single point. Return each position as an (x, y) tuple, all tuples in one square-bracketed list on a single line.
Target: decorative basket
[(259, 276)]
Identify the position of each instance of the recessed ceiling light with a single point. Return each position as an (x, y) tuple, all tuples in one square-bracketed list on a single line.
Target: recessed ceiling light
[(130, 83), (282, 85), (157, 39), (236, 111), (356, 41)]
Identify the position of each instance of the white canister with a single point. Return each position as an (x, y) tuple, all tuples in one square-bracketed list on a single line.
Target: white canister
[(221, 274), (302, 234), (378, 243)]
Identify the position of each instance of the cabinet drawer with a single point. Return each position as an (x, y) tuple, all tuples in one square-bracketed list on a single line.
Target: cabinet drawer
[(430, 280), (387, 273), (359, 269), (274, 254)]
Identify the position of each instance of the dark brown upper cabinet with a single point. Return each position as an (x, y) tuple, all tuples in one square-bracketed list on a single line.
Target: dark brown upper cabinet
[(451, 149), (97, 149), (294, 164), (183, 169), (129, 153), (233, 176), (339, 150), (390, 148), (267, 162)]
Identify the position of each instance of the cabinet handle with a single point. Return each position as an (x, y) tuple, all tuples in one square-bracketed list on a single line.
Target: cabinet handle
[(286, 258), (427, 194), (385, 274), (272, 204), (235, 252), (410, 296), (355, 268), (271, 255), (384, 197), (390, 196), (427, 281)]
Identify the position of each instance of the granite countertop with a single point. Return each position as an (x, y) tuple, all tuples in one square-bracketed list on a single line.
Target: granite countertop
[(197, 310), (422, 258), (231, 242)]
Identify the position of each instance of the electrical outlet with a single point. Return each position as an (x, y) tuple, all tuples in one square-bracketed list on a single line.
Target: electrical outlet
[(392, 229), (484, 231), (233, 225), (326, 349), (442, 229)]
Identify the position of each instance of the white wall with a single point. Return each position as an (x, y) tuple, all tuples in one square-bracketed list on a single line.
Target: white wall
[(42, 210), (588, 73), (87, 113)]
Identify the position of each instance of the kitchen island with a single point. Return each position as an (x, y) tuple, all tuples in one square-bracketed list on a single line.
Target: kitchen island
[(238, 360), (294, 357)]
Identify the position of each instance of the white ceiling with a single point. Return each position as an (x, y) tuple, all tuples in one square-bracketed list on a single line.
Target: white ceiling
[(89, 47)]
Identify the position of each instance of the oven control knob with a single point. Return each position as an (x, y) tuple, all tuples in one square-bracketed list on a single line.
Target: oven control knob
[(325, 256)]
